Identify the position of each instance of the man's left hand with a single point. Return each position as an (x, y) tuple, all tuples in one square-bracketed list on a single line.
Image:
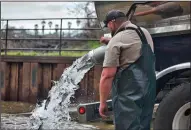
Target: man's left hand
[(104, 40), (103, 109)]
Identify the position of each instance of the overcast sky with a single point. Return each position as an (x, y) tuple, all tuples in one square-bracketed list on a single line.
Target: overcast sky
[(23, 10)]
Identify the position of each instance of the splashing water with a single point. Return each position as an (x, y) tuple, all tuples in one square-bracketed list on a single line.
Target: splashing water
[(53, 113)]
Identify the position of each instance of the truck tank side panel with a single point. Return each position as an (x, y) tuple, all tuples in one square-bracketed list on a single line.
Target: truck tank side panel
[(172, 50)]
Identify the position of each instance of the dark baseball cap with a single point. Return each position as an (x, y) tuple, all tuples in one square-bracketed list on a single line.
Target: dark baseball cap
[(111, 15)]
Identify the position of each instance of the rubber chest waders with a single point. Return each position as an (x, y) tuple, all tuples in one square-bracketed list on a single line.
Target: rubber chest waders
[(134, 90)]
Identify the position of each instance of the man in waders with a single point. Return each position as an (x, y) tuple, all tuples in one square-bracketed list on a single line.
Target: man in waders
[(129, 71)]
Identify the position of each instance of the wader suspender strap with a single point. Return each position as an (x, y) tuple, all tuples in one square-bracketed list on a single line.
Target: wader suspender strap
[(139, 32)]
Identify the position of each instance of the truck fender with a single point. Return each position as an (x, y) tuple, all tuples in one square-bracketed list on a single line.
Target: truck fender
[(163, 75)]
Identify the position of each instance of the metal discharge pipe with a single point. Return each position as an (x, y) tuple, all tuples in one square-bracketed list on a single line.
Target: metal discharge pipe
[(97, 55)]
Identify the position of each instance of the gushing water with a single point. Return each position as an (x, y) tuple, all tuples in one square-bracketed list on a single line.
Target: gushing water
[(53, 113)]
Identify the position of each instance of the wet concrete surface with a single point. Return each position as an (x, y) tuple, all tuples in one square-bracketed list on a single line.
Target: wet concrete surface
[(20, 118), (16, 121), (16, 116), (13, 122)]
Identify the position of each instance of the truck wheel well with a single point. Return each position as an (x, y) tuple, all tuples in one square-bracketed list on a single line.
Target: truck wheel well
[(170, 80)]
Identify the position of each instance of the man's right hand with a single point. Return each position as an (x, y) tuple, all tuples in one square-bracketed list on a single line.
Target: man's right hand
[(104, 40)]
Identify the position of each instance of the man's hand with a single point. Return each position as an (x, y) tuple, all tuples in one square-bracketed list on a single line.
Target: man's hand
[(103, 109), (104, 40)]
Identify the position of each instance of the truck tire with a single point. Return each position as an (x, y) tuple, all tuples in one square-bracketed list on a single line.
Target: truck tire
[(174, 110)]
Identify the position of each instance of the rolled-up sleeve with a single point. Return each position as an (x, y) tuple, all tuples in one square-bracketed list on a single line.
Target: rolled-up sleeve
[(112, 54)]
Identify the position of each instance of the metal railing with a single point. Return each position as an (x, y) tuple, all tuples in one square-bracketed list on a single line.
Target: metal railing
[(60, 38), (59, 29)]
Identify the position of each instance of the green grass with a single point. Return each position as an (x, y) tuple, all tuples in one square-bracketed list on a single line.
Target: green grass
[(91, 45), (33, 53)]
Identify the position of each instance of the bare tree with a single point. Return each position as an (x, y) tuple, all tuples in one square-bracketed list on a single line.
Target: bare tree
[(83, 9), (87, 10), (88, 13)]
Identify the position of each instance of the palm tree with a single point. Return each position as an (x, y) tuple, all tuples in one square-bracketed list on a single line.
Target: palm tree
[(36, 29), (50, 25), (78, 22), (69, 26), (43, 25), (56, 29)]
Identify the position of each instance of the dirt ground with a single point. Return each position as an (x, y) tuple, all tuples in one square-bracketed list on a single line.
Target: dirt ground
[(16, 107)]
